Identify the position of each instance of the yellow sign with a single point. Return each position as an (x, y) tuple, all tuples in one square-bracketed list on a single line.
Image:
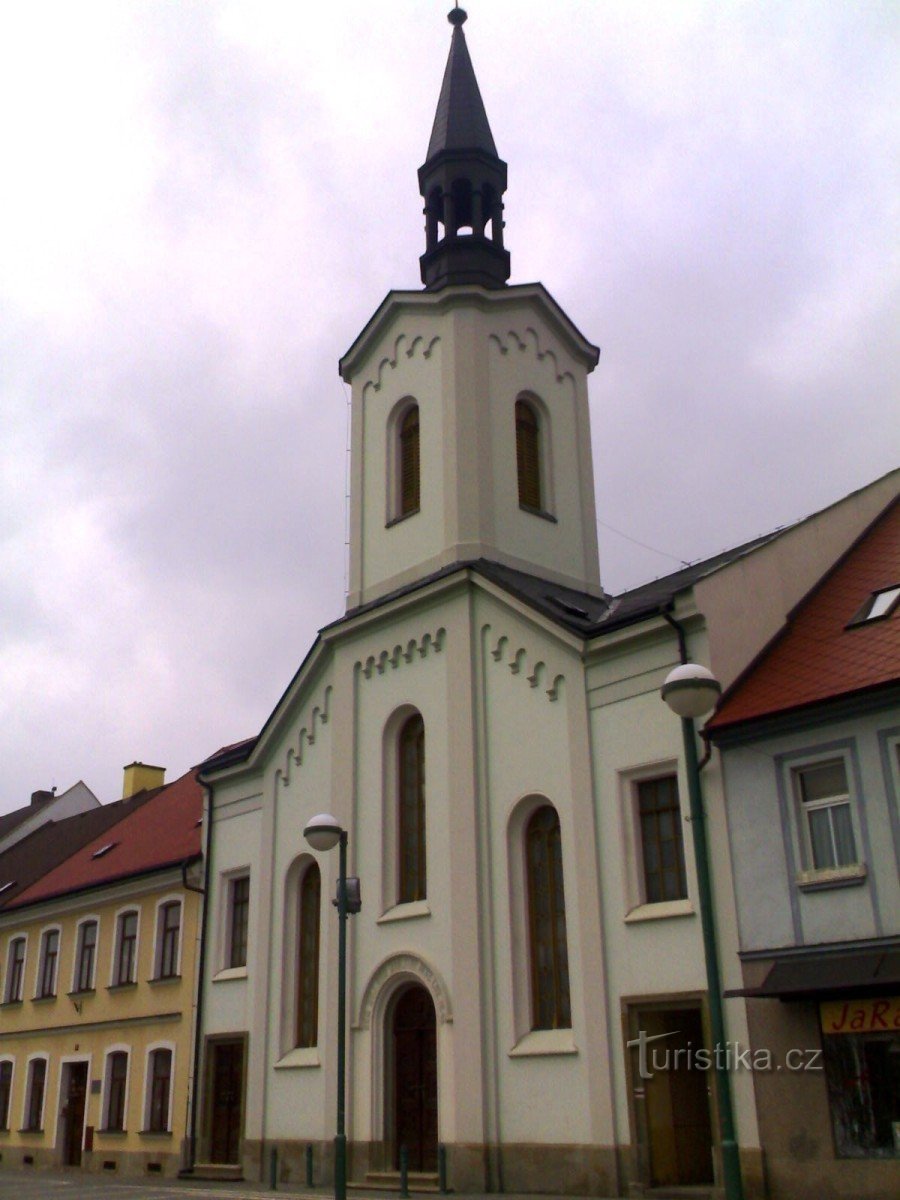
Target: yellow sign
[(861, 1016)]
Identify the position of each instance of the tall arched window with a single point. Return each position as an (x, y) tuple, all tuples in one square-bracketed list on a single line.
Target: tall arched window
[(528, 455), (550, 1005), (411, 826), (310, 899), (408, 462)]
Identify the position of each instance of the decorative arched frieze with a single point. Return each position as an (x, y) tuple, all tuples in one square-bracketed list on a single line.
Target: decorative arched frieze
[(529, 340), (417, 345), (537, 674), (379, 663), (305, 737), (394, 971)]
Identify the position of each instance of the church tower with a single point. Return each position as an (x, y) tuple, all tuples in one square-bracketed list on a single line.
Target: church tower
[(470, 427)]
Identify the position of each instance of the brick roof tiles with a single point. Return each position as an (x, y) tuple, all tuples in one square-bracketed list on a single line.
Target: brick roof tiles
[(817, 657)]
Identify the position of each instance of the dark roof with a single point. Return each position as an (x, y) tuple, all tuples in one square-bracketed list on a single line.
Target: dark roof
[(821, 655), (41, 851), (581, 613), (162, 832), (10, 821), (460, 122)]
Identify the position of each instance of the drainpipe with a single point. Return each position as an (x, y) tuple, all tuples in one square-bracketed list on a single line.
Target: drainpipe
[(201, 969), (731, 1163)]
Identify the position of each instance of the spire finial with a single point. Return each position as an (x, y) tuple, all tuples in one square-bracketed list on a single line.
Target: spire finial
[(457, 15)]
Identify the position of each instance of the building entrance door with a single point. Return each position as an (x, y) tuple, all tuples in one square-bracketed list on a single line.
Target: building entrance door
[(677, 1131), (415, 1079), (73, 1112), (227, 1083)]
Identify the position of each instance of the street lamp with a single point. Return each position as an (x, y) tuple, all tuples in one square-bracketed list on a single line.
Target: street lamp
[(691, 691), (323, 832)]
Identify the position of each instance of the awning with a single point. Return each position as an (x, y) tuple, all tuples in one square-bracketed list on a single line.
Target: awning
[(829, 972)]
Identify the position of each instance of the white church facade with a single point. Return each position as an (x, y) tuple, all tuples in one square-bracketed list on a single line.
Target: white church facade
[(485, 723)]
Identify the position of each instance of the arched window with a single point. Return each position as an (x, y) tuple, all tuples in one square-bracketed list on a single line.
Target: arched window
[(408, 462), (528, 455), (550, 1005), (411, 809), (309, 899)]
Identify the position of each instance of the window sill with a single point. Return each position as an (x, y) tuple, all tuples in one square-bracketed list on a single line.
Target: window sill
[(404, 912), (12, 1003), (111, 1133), (539, 512), (413, 512), (81, 992), (820, 878), (301, 1056), (229, 973), (162, 980), (32, 1129), (659, 911), (122, 987), (541, 1042), (155, 1133), (43, 999)]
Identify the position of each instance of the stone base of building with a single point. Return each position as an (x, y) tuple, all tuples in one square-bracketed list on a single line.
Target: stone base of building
[(152, 1164)]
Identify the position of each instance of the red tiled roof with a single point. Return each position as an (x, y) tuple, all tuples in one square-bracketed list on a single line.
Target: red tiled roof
[(163, 831), (816, 657)]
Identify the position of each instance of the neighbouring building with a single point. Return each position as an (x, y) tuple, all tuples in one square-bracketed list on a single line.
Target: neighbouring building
[(45, 806), (485, 723), (99, 935), (810, 744)]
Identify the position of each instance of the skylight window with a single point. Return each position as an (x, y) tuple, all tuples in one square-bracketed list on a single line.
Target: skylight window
[(104, 850), (877, 606), (4, 887)]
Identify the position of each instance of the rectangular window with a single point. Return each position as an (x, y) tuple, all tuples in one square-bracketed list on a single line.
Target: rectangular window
[(85, 956), (169, 930), (15, 970), (863, 1074), (6, 1070), (34, 1109), (238, 921), (825, 803), (662, 847), (47, 970), (126, 948), (160, 1083), (116, 1081)]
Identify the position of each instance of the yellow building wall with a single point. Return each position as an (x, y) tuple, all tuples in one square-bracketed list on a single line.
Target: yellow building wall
[(83, 1027)]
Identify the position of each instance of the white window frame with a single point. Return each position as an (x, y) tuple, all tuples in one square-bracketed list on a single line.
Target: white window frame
[(39, 993), (174, 898), (545, 451), (228, 879), (838, 800), (29, 1085), (290, 957), (148, 1086), (117, 1048), (76, 962), (8, 998), (394, 457), (114, 980), (8, 1058)]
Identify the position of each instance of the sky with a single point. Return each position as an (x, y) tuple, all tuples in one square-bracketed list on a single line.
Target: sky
[(203, 203)]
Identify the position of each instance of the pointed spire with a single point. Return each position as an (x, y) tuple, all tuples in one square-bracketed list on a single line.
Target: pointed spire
[(462, 181)]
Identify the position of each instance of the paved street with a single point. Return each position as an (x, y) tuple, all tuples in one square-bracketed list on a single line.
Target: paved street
[(60, 1185)]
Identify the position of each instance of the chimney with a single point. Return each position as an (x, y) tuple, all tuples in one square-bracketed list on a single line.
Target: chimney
[(139, 776), (42, 797)]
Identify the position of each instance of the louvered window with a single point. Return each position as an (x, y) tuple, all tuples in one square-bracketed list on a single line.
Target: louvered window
[(528, 456), (409, 462), (550, 1005), (308, 958), (411, 747)]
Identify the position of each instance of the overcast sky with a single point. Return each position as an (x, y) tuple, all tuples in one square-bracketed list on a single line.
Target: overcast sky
[(202, 204)]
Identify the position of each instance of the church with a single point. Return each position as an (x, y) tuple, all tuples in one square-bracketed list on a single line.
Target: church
[(484, 722)]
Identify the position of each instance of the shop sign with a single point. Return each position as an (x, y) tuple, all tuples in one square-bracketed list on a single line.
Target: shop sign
[(861, 1016)]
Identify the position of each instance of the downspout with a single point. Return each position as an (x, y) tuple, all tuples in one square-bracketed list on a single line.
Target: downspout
[(201, 969), (666, 614)]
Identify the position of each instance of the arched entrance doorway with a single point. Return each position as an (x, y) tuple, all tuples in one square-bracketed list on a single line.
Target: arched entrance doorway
[(412, 1079)]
